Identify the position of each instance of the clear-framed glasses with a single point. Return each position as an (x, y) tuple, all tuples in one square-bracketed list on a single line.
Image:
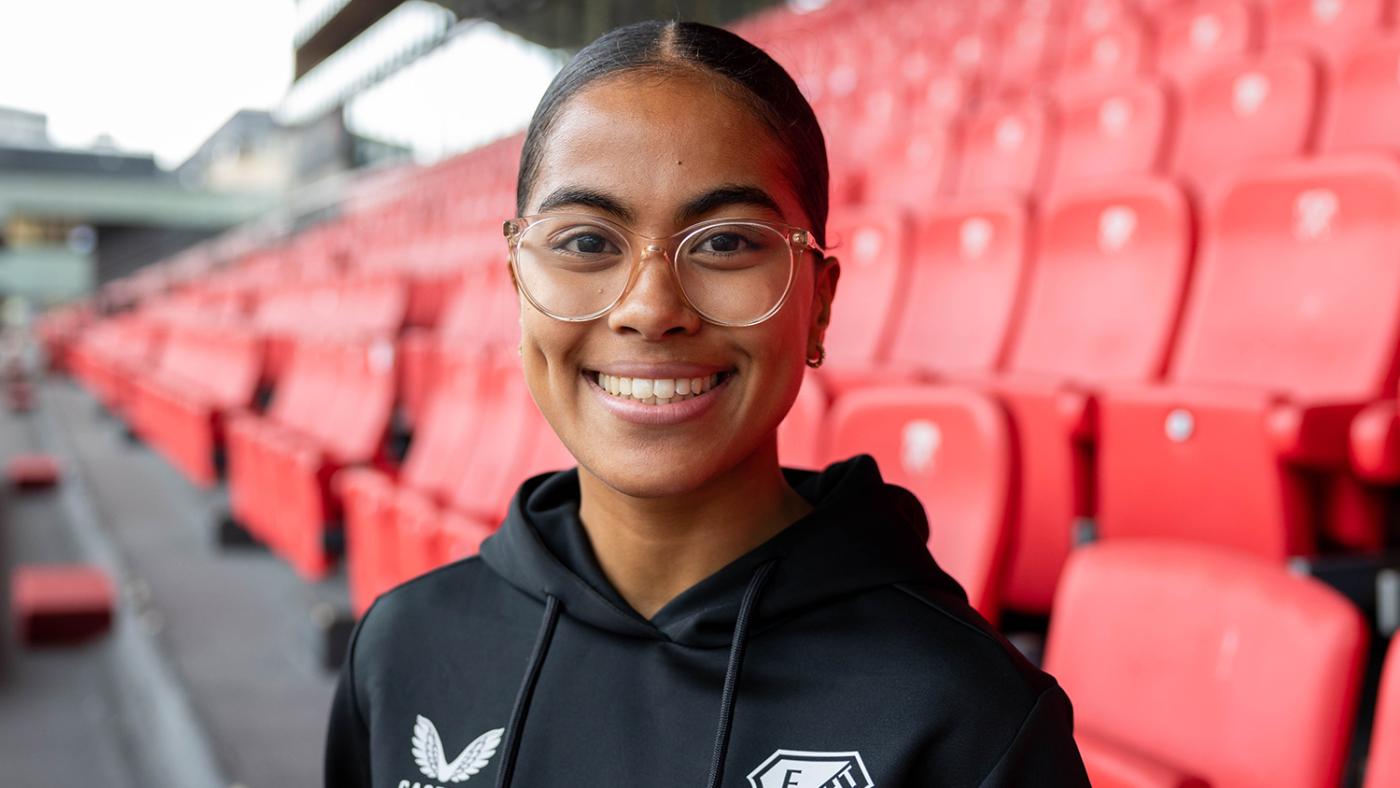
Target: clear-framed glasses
[(732, 272)]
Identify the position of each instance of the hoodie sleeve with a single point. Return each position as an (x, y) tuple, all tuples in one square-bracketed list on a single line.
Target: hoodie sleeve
[(347, 739), (1043, 752)]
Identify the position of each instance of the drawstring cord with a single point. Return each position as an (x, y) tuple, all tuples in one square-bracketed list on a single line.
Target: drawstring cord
[(527, 691), (731, 673), (726, 710)]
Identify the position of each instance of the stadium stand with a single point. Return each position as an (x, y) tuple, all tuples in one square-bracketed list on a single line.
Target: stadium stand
[(1114, 272)]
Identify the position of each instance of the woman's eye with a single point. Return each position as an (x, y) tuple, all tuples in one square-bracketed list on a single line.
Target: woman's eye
[(724, 243), (589, 243)]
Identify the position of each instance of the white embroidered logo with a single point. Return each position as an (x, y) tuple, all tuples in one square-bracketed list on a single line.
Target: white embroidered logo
[(798, 769), (429, 755)]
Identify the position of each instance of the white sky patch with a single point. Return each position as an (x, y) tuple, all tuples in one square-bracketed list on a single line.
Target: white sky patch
[(480, 86), (157, 75), (162, 75)]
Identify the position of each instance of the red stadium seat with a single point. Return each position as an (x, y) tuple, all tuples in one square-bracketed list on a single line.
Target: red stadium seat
[(1118, 52), (962, 288), (60, 604), (952, 448), (873, 246), (1331, 28), (1121, 131), (1194, 37), (1364, 110), (1030, 52), (1188, 663), (1245, 110), (914, 168), (1003, 147), (331, 410), (1383, 765), (1290, 331), (1101, 306), (204, 373)]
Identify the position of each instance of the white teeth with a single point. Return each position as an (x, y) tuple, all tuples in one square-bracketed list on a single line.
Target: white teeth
[(656, 391)]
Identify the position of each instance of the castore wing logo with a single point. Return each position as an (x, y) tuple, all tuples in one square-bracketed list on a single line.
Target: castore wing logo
[(432, 760)]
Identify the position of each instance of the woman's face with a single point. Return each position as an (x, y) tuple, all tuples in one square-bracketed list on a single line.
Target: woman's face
[(658, 154)]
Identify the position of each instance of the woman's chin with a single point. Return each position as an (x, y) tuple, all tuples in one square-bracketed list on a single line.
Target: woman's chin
[(654, 476)]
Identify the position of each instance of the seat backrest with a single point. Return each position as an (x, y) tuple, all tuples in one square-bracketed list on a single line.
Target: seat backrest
[(1207, 660), (873, 247), (491, 469), (1194, 37), (1120, 131), (1328, 27), (233, 366), (1243, 110), (1297, 287), (448, 429), (1383, 764), (1104, 297), (1003, 147), (951, 447), (353, 424), (1030, 50), (1117, 52), (966, 276), (912, 169), (305, 387), (1364, 109)]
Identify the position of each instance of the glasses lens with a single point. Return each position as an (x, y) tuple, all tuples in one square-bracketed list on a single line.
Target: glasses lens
[(735, 273), (572, 267)]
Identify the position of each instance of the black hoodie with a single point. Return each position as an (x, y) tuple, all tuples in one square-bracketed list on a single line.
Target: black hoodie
[(835, 655)]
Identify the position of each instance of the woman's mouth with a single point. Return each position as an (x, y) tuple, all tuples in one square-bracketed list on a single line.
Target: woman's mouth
[(657, 391)]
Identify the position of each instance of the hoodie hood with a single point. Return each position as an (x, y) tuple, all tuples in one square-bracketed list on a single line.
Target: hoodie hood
[(861, 534)]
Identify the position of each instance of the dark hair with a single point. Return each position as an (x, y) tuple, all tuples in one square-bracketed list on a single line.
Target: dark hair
[(655, 46)]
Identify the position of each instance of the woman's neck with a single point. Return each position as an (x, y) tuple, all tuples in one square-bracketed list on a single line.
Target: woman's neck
[(652, 549)]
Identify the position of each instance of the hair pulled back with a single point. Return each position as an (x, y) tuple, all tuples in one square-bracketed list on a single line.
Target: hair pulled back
[(659, 47)]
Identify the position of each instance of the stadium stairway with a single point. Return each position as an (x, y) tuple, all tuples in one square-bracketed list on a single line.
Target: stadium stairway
[(177, 694)]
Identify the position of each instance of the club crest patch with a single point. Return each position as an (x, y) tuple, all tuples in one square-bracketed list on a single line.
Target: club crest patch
[(799, 769)]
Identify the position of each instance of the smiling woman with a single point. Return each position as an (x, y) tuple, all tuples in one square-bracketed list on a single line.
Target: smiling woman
[(679, 610)]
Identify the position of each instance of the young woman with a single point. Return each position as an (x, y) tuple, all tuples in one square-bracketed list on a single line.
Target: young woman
[(678, 610)]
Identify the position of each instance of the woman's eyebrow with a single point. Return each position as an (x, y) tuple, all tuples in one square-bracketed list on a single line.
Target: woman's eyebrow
[(588, 198), (729, 194)]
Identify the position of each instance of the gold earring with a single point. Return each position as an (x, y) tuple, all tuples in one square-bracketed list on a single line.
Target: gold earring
[(821, 357)]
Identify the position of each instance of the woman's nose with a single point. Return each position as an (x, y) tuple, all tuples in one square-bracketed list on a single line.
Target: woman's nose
[(654, 306)]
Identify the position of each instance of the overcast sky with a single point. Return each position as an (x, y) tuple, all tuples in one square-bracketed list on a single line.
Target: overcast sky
[(161, 75)]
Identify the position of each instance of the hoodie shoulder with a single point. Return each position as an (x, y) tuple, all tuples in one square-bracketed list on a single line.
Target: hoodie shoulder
[(966, 635)]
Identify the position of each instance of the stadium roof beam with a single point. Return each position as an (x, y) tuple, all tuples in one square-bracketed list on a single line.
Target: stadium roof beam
[(332, 24)]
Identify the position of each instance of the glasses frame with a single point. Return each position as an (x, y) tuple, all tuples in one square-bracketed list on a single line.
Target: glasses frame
[(799, 240)]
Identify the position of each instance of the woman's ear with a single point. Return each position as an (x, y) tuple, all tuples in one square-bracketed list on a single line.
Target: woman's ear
[(828, 274)]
